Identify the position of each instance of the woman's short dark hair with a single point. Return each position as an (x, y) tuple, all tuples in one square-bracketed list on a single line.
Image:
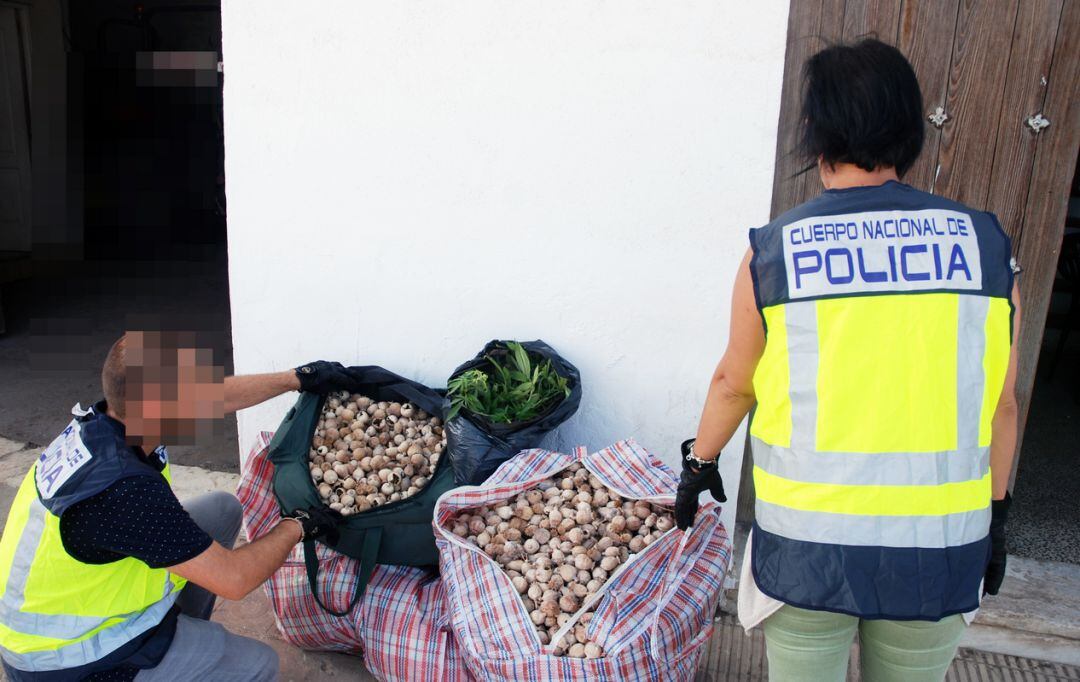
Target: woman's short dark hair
[(862, 105)]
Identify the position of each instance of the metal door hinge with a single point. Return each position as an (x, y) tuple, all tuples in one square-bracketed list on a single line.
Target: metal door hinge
[(938, 117), (1037, 123)]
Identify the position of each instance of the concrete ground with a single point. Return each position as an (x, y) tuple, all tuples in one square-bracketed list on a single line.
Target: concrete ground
[(253, 617)]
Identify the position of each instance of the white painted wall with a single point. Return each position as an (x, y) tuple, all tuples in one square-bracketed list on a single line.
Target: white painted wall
[(408, 180)]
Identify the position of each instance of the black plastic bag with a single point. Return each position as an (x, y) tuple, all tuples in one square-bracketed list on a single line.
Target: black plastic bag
[(477, 447)]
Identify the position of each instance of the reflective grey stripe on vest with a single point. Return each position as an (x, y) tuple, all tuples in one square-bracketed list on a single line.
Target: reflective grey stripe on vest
[(25, 550), (878, 468), (60, 626), (93, 648), (970, 375), (802, 340), (949, 530)]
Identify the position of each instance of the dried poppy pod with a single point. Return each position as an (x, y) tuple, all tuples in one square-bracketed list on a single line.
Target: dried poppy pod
[(357, 436), (559, 543)]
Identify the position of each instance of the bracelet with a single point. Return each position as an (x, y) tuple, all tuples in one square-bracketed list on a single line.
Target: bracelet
[(694, 459), (299, 523)]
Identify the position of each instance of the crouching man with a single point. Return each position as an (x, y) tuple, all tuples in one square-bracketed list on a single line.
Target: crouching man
[(104, 573)]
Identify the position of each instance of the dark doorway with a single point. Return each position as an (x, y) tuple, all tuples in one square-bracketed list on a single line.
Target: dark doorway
[(1045, 515), (145, 239)]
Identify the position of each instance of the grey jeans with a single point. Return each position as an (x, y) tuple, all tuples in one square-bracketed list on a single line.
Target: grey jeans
[(202, 650)]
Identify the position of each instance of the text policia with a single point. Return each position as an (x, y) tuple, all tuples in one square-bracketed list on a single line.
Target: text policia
[(881, 251)]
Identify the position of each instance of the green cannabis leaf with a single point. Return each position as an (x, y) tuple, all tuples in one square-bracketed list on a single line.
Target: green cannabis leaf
[(512, 388)]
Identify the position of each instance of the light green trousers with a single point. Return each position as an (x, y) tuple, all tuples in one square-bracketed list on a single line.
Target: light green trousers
[(814, 646)]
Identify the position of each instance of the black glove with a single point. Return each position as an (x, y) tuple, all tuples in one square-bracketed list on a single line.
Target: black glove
[(323, 377), (318, 522), (695, 478), (995, 571)]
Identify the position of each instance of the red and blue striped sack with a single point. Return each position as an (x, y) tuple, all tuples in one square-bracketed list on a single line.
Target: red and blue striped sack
[(653, 616), (400, 626)]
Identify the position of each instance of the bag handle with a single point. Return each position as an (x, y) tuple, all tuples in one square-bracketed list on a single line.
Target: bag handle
[(669, 582), (368, 552)]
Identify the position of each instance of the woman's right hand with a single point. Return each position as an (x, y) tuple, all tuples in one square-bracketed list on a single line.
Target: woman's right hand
[(695, 479)]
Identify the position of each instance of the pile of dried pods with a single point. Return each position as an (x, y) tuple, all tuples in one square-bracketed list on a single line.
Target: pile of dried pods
[(559, 543), (365, 453)]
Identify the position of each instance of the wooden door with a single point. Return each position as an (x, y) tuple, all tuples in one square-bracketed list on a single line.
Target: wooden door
[(990, 65), (14, 132)]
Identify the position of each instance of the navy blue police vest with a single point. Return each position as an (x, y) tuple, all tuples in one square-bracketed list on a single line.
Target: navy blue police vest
[(888, 332)]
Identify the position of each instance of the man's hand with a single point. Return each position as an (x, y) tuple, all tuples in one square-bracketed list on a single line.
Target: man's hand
[(323, 377), (233, 573), (317, 522), (695, 479), (995, 571)]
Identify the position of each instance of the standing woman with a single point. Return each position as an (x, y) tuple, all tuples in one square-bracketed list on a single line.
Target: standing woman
[(874, 328)]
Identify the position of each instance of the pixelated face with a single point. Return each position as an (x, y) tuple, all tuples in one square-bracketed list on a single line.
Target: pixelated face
[(175, 391)]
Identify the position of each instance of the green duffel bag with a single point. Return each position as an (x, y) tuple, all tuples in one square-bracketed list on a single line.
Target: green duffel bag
[(398, 532)]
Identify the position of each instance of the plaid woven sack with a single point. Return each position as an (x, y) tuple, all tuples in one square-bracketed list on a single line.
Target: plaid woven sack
[(652, 616), (405, 628), (400, 625)]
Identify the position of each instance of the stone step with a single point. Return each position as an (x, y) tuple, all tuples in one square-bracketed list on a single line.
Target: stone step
[(1041, 597)]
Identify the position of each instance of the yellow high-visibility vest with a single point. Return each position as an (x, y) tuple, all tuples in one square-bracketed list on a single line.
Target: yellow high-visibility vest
[(888, 319), (57, 612)]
